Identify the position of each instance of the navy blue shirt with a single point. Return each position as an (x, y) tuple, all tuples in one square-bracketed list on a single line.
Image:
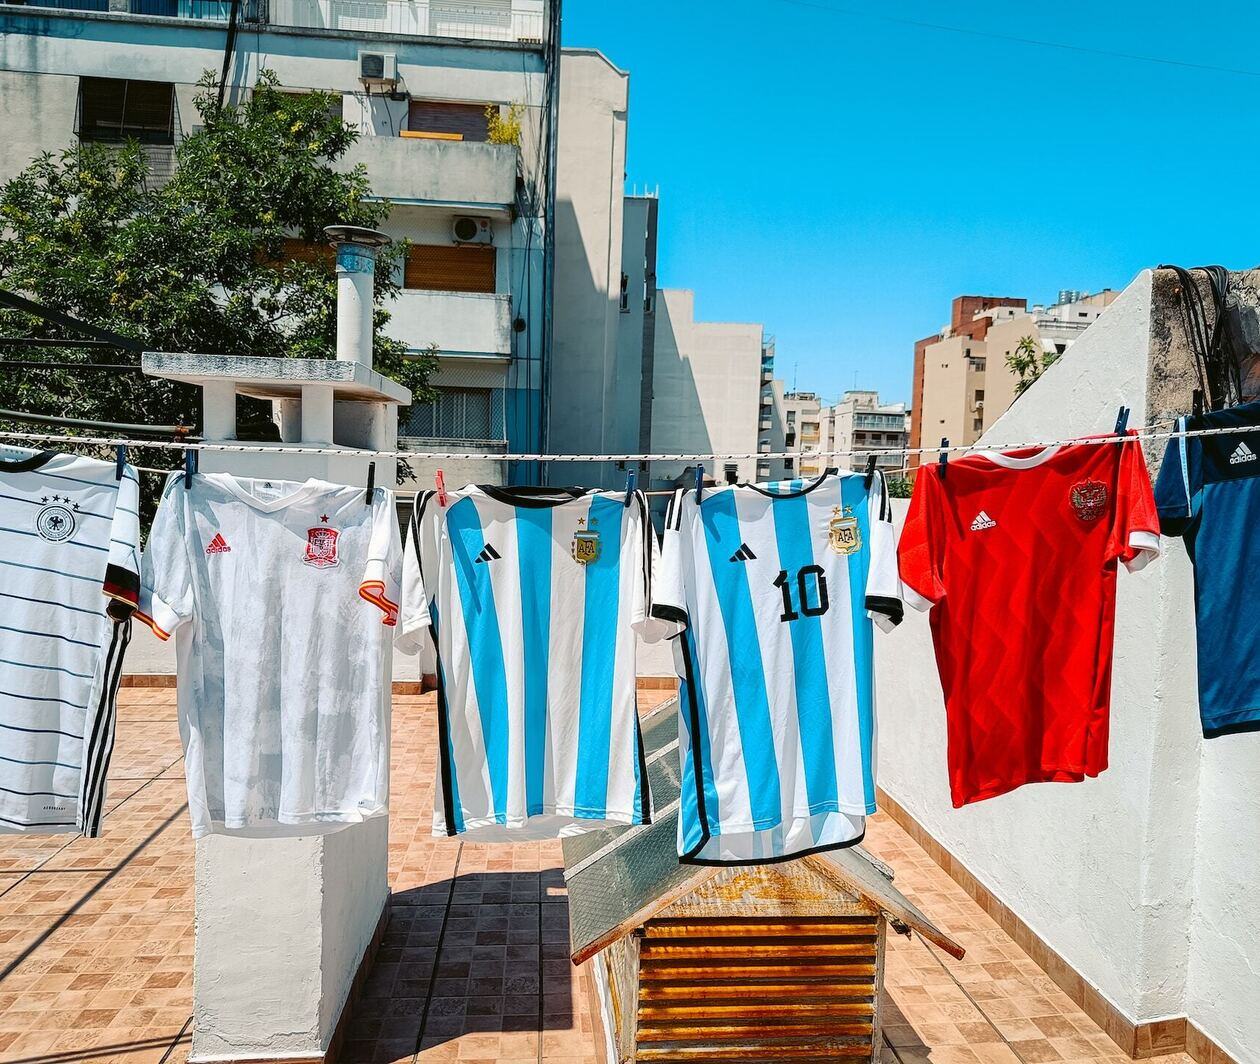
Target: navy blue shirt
[(1208, 492)]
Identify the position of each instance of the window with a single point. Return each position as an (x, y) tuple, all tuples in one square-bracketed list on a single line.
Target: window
[(979, 395), (443, 120), (294, 249), (458, 414), (789, 439), (114, 110), (731, 471), (450, 267), (625, 294)]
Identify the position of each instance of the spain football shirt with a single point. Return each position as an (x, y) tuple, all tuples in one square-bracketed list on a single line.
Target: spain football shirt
[(527, 605), (282, 598), (778, 586), (1016, 554), (69, 581), (1208, 492)]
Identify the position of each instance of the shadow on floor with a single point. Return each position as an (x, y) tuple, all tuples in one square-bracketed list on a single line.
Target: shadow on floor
[(482, 954)]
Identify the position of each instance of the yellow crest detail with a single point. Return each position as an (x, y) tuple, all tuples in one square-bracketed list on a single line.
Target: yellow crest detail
[(585, 548), (843, 534)]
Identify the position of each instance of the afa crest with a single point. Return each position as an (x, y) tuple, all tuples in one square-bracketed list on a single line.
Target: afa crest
[(321, 547), (843, 534), (585, 548)]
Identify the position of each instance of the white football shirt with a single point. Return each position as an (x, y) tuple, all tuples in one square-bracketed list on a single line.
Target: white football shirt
[(535, 598), (69, 579), (282, 597), (778, 585)]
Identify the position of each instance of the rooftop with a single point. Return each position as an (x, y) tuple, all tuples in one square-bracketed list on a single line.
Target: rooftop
[(96, 938)]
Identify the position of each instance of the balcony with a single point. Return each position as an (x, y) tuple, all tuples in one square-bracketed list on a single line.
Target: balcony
[(458, 322), (459, 174), (516, 21), (881, 422)]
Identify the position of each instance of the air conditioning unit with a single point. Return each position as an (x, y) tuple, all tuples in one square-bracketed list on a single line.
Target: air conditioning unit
[(378, 68), (467, 230)]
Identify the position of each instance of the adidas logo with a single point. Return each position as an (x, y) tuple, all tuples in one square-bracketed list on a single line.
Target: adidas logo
[(488, 554), (218, 545), (1242, 453), (982, 521), (744, 554)]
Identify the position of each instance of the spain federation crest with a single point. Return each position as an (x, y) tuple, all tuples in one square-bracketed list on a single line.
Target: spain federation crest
[(321, 547), (1089, 499), (585, 548), (843, 534)]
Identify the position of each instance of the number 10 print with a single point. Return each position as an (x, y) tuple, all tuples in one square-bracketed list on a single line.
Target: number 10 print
[(811, 593)]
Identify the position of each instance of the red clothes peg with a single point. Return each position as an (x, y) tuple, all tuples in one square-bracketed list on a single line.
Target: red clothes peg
[(440, 481)]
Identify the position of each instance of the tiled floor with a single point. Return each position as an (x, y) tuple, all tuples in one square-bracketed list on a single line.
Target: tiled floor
[(96, 939)]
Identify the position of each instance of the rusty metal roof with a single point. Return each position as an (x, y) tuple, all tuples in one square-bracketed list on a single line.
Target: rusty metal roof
[(620, 877)]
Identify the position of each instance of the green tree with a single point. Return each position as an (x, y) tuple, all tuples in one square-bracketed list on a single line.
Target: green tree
[(1028, 362), (899, 487), (203, 262)]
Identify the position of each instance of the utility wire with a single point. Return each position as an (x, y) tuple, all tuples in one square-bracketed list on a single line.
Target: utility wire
[(1150, 432), (1009, 38)]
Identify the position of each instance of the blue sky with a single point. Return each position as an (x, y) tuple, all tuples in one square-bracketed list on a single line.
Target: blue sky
[(841, 178)]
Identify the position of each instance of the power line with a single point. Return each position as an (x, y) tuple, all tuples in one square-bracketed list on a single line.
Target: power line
[(1009, 38)]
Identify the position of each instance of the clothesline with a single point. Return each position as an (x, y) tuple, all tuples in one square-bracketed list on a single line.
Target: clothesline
[(1145, 433)]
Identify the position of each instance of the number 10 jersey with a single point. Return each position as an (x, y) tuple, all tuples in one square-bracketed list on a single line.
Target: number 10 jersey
[(777, 586)]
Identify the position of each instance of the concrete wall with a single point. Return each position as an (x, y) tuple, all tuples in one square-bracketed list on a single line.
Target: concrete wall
[(706, 387), (590, 173), (458, 322), (1143, 879)]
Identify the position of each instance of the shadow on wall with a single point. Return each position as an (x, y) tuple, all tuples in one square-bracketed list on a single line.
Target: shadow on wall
[(597, 370), (678, 421), (483, 954)]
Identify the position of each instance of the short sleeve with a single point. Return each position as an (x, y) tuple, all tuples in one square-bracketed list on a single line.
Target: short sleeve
[(883, 584), (647, 550), (1135, 534), (122, 570), (669, 595), (382, 576), (419, 565), (1176, 493), (921, 551), (166, 593)]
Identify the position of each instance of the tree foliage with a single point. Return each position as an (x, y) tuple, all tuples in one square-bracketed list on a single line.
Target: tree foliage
[(1028, 362), (197, 263)]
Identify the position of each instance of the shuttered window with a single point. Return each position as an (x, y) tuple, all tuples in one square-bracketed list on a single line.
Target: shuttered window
[(458, 414), (467, 121), (115, 110), (296, 250), (450, 268)]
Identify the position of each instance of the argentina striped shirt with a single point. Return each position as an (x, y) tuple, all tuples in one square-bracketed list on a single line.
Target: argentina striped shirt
[(778, 585), (69, 580), (527, 605)]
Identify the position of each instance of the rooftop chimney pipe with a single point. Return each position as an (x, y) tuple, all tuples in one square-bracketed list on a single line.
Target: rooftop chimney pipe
[(356, 267)]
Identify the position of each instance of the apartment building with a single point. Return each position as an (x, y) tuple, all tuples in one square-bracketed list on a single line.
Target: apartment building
[(859, 422), (415, 78), (771, 418), (806, 430), (962, 380)]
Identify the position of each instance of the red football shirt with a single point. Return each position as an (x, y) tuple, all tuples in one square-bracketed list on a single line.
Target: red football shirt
[(1015, 554)]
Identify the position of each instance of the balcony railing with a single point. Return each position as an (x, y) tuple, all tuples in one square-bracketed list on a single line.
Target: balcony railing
[(885, 422), (488, 20)]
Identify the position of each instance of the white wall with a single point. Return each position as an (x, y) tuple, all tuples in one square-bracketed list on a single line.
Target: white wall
[(1144, 879)]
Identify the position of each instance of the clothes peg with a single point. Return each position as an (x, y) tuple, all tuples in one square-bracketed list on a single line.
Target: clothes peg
[(699, 481), (944, 459), (440, 481), (371, 484), (190, 467), (1196, 404), (630, 480), (120, 460), (870, 470), (1122, 421)]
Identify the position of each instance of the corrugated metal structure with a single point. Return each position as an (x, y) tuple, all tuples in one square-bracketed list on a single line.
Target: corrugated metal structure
[(703, 964)]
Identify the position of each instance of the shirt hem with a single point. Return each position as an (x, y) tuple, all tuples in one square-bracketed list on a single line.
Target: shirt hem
[(1231, 721), (1051, 775), (290, 820), (595, 816), (867, 809)]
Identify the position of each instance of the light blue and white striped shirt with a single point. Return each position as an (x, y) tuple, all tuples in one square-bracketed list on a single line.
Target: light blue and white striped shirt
[(527, 604), (778, 585)]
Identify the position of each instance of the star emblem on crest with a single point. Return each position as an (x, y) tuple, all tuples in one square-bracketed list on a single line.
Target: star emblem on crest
[(323, 518)]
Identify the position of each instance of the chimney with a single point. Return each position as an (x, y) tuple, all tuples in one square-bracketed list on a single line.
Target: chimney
[(356, 268)]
